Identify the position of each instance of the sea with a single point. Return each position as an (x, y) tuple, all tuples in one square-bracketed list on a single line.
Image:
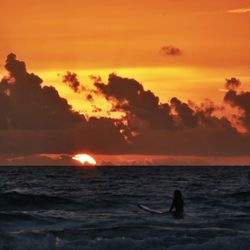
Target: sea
[(75, 208)]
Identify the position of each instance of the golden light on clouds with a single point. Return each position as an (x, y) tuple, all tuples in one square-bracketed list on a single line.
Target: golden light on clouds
[(164, 81), (189, 83)]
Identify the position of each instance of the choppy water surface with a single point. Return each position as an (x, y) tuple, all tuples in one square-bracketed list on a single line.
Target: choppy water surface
[(80, 208)]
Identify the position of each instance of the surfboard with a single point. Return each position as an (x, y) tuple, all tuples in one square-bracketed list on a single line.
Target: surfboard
[(155, 211)]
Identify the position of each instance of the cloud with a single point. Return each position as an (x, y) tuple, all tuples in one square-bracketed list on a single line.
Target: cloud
[(178, 128), (185, 113), (71, 80), (28, 105), (130, 97), (98, 135), (143, 107), (36, 120), (238, 99), (171, 51), (241, 101), (239, 11), (209, 141), (232, 83), (90, 98)]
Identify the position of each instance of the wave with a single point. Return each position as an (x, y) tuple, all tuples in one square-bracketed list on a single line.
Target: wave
[(25, 201), (239, 195), (50, 242), (225, 243), (14, 200), (16, 216)]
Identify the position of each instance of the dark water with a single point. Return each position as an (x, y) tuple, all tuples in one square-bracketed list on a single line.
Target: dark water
[(78, 208)]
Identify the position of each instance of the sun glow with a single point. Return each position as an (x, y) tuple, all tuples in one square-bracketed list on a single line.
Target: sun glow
[(84, 159)]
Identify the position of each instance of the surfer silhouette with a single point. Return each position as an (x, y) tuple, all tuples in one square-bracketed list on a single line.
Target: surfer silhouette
[(176, 208), (177, 204)]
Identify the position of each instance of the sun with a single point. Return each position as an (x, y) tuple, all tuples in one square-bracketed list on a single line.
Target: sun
[(85, 159)]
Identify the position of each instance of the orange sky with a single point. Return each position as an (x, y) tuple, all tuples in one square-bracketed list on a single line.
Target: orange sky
[(100, 37)]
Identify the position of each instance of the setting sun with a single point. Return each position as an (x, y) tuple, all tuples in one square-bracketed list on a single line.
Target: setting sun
[(84, 159)]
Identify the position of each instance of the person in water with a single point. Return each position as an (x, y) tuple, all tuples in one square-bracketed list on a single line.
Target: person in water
[(177, 207)]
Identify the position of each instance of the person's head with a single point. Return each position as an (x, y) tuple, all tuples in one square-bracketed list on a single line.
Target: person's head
[(177, 194)]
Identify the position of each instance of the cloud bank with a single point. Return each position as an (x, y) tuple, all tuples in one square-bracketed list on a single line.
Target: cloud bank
[(36, 120), (171, 51)]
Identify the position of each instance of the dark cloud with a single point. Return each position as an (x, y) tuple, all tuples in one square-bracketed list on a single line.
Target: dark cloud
[(187, 116), (90, 98), (130, 97), (99, 135), (171, 51), (72, 81), (180, 128), (232, 83), (4, 110), (36, 120), (210, 141), (28, 105), (239, 100), (202, 116), (102, 135)]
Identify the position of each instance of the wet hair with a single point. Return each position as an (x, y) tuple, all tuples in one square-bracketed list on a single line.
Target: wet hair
[(177, 194)]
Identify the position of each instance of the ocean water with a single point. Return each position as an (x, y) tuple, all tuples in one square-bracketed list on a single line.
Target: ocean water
[(96, 208)]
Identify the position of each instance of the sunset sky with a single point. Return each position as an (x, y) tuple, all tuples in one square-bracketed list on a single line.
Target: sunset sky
[(188, 49)]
